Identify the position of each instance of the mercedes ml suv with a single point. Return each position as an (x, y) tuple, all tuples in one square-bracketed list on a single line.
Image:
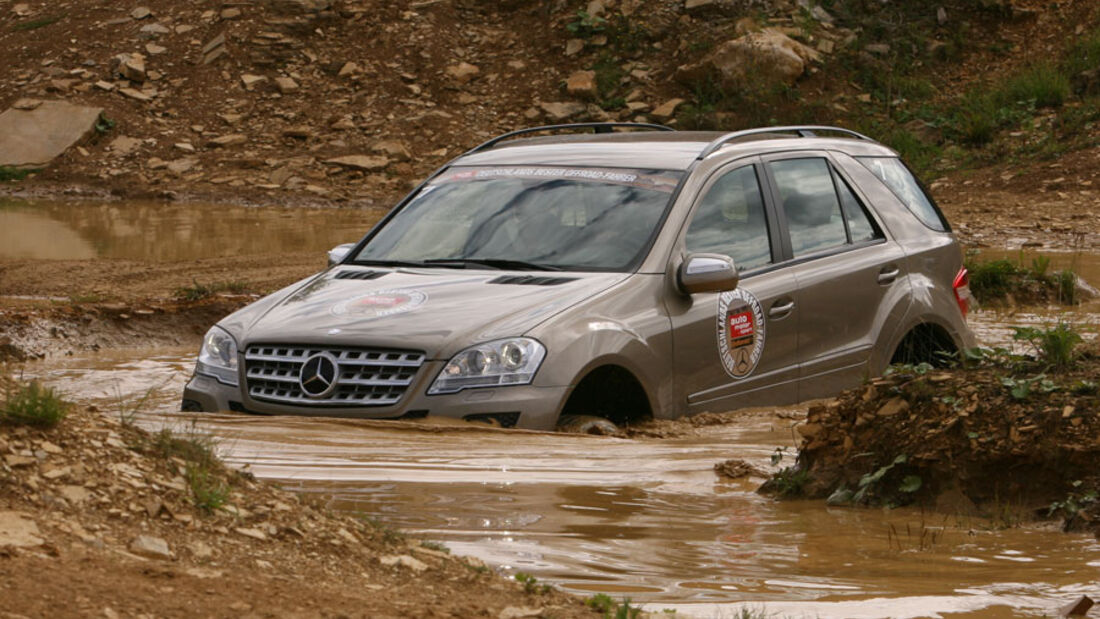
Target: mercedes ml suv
[(616, 270)]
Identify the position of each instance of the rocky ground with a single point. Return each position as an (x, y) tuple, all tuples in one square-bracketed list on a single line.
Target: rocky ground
[(1005, 436), (99, 518)]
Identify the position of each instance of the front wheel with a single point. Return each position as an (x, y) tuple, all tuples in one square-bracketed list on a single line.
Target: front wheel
[(587, 424)]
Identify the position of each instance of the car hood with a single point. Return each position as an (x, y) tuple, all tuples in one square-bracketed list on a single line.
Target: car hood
[(438, 311)]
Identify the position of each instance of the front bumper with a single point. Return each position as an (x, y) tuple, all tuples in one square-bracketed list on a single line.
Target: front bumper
[(537, 408)]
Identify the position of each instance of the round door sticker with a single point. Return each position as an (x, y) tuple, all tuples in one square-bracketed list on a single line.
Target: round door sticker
[(380, 303), (740, 332)]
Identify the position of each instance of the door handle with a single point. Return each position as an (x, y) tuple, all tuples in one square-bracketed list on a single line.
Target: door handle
[(780, 309), (888, 274)]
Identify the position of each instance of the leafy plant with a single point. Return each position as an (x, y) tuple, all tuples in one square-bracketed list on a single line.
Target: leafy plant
[(8, 173), (609, 608), (1021, 388), (33, 404), (586, 25), (1055, 346), (531, 584), (1073, 503), (103, 124), (790, 482)]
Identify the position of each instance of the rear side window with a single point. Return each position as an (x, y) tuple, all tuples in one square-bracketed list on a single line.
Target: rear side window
[(905, 186), (811, 205)]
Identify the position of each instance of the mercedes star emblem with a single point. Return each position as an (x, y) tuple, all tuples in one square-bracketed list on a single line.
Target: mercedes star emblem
[(318, 375)]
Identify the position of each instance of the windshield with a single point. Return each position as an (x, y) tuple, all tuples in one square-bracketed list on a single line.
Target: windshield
[(592, 219)]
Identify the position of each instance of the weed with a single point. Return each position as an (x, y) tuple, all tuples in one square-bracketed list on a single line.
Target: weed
[(923, 539), (390, 535), (1074, 502), (790, 482), (35, 24), (1055, 346), (103, 124), (868, 483), (33, 404), (1085, 387), (9, 174), (531, 584), (609, 608), (436, 546), (993, 279), (1041, 84), (1021, 388), (197, 291), (608, 75), (209, 491), (1066, 282), (586, 25)]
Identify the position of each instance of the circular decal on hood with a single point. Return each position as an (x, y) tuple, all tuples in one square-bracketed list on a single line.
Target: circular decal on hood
[(741, 329), (379, 303)]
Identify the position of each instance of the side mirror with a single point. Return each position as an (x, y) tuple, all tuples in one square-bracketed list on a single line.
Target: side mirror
[(707, 273), (337, 254)]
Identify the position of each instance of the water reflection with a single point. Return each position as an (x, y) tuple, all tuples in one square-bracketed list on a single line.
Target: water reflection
[(165, 232)]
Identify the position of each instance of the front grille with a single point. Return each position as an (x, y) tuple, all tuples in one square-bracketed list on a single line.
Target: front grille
[(366, 377)]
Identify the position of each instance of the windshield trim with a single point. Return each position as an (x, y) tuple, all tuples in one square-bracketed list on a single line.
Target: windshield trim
[(630, 267)]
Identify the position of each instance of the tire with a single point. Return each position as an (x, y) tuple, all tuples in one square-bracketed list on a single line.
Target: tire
[(587, 424)]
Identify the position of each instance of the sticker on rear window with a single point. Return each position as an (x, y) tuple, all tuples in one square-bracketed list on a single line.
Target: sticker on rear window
[(740, 332)]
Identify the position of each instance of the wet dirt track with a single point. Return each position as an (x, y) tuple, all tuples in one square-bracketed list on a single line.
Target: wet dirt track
[(648, 519)]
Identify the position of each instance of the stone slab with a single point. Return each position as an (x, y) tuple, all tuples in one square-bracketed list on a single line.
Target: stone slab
[(35, 137)]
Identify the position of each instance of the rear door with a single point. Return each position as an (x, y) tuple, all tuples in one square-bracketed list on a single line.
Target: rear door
[(850, 278), (736, 348)]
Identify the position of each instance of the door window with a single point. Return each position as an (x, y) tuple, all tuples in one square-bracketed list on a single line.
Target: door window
[(730, 221), (810, 204), (859, 223)]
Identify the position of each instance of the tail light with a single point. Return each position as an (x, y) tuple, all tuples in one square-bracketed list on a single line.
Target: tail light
[(962, 290)]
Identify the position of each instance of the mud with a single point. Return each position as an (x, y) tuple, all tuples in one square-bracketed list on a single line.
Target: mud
[(643, 517)]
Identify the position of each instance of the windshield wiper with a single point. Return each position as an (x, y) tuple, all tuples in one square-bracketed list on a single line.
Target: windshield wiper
[(493, 263), (390, 263)]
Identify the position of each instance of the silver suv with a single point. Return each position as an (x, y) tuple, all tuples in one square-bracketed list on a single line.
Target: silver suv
[(628, 273)]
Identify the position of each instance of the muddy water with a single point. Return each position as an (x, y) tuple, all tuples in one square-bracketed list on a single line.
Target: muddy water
[(165, 232), (640, 518)]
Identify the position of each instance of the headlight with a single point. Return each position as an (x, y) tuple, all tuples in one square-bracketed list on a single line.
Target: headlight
[(218, 356), (504, 362)]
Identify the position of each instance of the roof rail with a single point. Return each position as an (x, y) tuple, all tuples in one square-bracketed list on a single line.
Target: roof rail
[(598, 127), (803, 131)]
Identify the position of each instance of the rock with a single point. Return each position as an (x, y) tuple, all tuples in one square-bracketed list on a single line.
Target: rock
[(231, 13), (185, 146), (33, 138), (155, 49), (151, 547), (130, 66), (765, 56), (394, 150), (462, 73), (1077, 608), (573, 46), (214, 49), (249, 80), (582, 84), (22, 10), (519, 612), (200, 550), (344, 123), (360, 162), (349, 68), (878, 49), (154, 30), (255, 534), (18, 530), (941, 15), (298, 7), (182, 166), (414, 564), (735, 469), (561, 111), (893, 407), (286, 85), (123, 145), (300, 132), (140, 12), (228, 140), (667, 109), (75, 495), (107, 86), (134, 93), (697, 5)]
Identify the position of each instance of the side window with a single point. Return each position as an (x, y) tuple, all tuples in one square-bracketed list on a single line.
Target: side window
[(810, 204), (730, 220), (905, 186), (859, 224)]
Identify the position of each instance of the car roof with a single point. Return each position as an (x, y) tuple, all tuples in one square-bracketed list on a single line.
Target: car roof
[(658, 150)]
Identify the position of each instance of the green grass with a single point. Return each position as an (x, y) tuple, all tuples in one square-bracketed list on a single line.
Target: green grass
[(33, 404), (197, 291), (35, 24), (610, 609), (9, 174), (209, 491)]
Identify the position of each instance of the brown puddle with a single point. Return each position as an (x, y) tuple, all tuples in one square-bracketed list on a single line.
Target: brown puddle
[(164, 232), (646, 519)]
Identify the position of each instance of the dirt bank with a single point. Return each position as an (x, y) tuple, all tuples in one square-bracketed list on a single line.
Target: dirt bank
[(1007, 437), (100, 518)]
